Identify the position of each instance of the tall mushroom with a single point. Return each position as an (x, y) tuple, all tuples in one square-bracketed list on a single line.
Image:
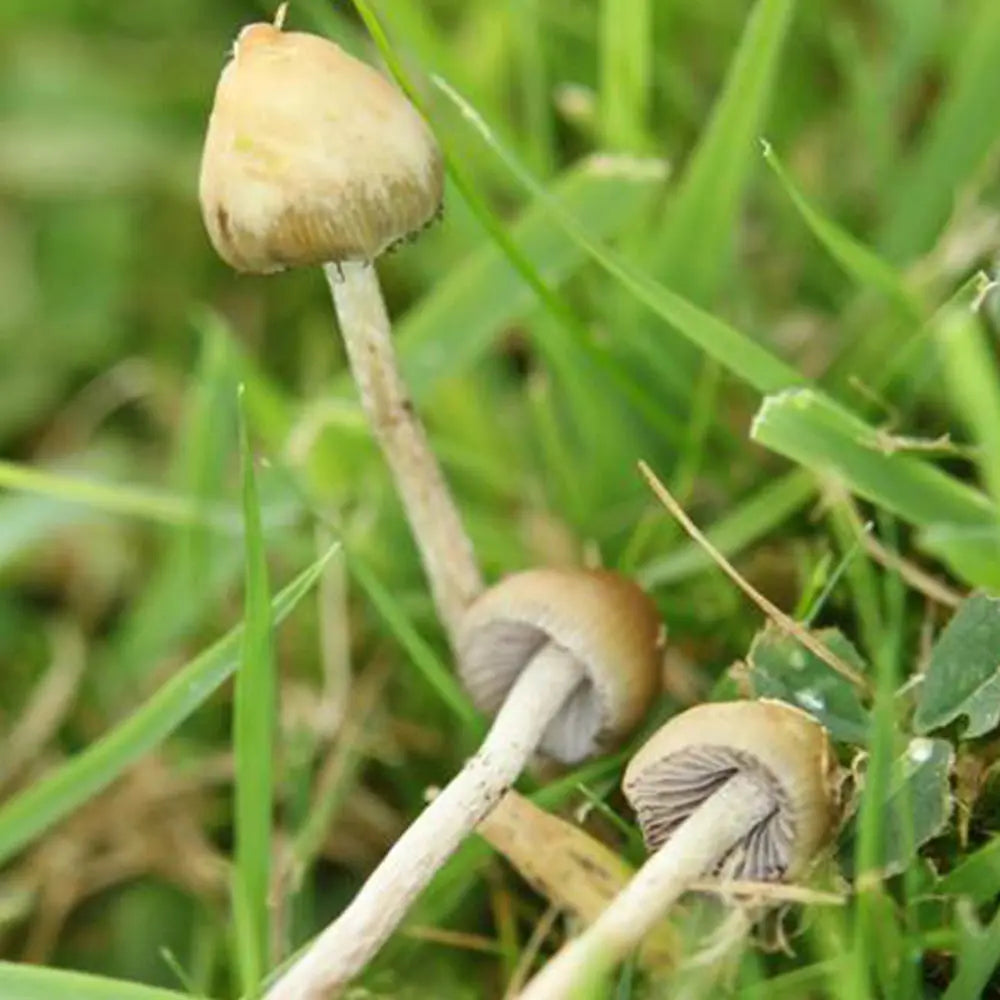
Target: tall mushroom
[(746, 788), (567, 660), (312, 157)]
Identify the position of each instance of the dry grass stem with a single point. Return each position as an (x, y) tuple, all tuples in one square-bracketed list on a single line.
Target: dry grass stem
[(785, 622), (453, 939), (334, 631), (916, 577), (539, 933), (149, 823), (336, 769), (48, 706), (769, 892)]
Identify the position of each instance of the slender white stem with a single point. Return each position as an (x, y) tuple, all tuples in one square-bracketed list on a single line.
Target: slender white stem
[(343, 949), (444, 546), (695, 847)]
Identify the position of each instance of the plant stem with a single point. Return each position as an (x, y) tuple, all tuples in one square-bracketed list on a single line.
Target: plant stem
[(343, 949), (445, 549), (694, 848)]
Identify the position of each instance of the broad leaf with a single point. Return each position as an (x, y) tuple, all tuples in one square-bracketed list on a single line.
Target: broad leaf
[(917, 807), (963, 677), (781, 667)]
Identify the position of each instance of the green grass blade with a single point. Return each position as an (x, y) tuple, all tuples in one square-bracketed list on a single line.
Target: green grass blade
[(977, 875), (695, 249), (809, 429), (32, 982), (972, 552), (457, 322), (190, 556), (254, 716), (532, 75), (44, 803), (978, 955), (556, 306), (970, 372), (29, 518), (860, 263), (748, 522), (626, 64), (960, 135), (429, 666), (734, 350), (806, 981), (157, 506), (530, 254)]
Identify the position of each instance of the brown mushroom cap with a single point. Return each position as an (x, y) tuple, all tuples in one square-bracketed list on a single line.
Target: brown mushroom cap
[(696, 752), (603, 619), (311, 156)]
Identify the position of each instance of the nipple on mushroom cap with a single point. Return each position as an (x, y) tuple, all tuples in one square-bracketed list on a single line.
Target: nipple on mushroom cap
[(782, 748), (311, 156), (601, 618)]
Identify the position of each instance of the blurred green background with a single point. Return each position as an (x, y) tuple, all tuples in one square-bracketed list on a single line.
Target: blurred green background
[(543, 378)]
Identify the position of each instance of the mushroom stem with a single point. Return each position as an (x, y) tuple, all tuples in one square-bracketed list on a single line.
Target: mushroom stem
[(445, 549), (343, 948), (694, 848)]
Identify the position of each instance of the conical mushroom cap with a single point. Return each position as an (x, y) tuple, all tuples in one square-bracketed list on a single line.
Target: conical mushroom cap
[(311, 156), (696, 752), (603, 619)]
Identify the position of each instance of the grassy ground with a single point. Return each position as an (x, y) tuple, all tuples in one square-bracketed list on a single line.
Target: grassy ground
[(782, 330)]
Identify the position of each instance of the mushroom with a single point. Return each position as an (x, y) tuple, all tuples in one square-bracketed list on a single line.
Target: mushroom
[(567, 659), (312, 157), (746, 789)]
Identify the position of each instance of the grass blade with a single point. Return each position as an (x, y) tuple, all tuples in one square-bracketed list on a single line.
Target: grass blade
[(970, 373), (428, 664), (31, 982), (188, 557), (960, 135), (626, 64), (748, 522), (38, 807), (454, 325), (694, 252), (253, 741), (734, 350), (809, 429), (114, 498), (860, 263), (978, 955), (556, 306)]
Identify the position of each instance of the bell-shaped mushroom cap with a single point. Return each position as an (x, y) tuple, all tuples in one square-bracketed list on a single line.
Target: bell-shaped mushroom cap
[(311, 156), (696, 752), (603, 619)]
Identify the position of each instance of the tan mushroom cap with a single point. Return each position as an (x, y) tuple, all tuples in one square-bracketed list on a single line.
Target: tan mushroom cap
[(311, 156), (696, 752), (603, 619)]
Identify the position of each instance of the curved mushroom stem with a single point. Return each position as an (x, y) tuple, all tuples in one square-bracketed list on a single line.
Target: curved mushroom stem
[(445, 549), (694, 848), (343, 949)]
